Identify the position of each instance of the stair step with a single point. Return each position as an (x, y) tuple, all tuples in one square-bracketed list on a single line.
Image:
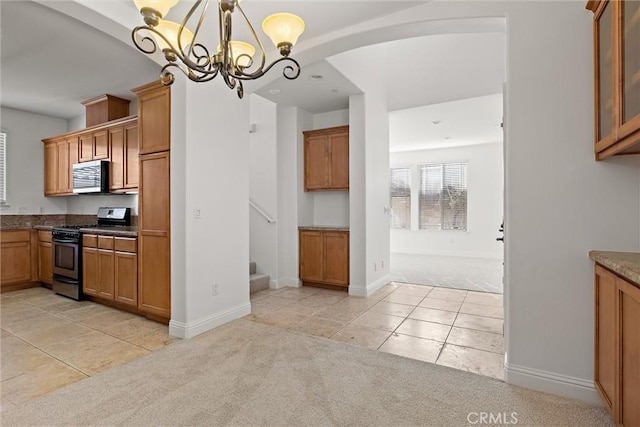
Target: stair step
[(252, 267), (258, 282)]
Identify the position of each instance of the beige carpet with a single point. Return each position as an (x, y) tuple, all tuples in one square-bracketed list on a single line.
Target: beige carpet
[(245, 373)]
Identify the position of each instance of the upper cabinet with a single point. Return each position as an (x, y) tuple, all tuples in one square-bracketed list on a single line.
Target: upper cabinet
[(59, 154), (154, 107), (617, 76), (326, 159)]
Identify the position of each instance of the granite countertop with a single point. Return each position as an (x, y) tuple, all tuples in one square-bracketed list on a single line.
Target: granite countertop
[(117, 230), (324, 227), (625, 264), (44, 227)]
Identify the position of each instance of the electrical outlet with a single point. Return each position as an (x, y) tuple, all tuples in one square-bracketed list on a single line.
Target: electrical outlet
[(214, 289), (196, 213)]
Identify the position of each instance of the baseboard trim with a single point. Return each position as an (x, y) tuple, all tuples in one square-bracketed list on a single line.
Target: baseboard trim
[(553, 383), (192, 329), (287, 282), (464, 254), (370, 288)]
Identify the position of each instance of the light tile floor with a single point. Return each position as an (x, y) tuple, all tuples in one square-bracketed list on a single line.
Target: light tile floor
[(475, 274), (49, 341), (456, 328)]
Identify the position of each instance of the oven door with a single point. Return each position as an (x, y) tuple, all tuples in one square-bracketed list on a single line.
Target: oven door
[(66, 258)]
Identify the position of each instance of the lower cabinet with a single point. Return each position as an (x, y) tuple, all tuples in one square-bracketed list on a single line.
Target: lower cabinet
[(324, 257), (18, 259), (617, 345), (45, 257), (110, 268)]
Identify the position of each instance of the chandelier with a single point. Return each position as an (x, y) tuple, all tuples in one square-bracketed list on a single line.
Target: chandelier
[(232, 59)]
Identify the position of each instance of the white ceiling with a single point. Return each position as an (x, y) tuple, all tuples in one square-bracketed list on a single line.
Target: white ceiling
[(61, 61)]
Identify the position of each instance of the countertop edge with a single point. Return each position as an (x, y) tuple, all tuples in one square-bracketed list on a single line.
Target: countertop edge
[(625, 264), (323, 228)]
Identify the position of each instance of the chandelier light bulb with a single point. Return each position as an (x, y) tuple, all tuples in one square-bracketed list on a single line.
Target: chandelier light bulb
[(161, 6), (170, 31), (284, 30), (239, 50)]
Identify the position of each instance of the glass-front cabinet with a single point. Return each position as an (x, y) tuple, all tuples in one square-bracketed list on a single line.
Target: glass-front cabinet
[(617, 76)]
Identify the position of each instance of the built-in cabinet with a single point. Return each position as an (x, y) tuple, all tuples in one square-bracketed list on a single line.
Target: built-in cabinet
[(116, 141), (617, 345), (324, 257), (617, 76), (154, 200), (326, 159), (45, 257), (109, 266), (17, 257)]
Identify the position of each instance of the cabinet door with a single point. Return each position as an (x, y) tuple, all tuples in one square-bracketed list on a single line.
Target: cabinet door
[(50, 168), (45, 263), (86, 147), (106, 267), (336, 258), (117, 163), (154, 118), (132, 168), (605, 337), (126, 278), (339, 149), (316, 162), (73, 158), (604, 56), (90, 271), (62, 167), (311, 256), (629, 336), (15, 258), (629, 67), (101, 145), (154, 259)]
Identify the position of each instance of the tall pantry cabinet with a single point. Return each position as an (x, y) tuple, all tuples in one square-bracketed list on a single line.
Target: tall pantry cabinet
[(154, 201)]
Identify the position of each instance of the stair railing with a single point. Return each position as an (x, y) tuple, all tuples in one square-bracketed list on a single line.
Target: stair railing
[(261, 212)]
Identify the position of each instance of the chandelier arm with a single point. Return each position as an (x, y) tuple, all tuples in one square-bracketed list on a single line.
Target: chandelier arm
[(263, 56), (144, 40), (197, 30), (290, 72), (167, 76)]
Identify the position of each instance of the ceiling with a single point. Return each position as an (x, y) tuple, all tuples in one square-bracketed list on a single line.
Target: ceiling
[(85, 62)]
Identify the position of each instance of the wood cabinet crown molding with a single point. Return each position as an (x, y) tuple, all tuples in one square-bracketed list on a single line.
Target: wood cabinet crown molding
[(103, 126)]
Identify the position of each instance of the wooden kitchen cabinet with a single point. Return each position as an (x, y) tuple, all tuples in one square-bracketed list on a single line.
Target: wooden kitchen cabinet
[(50, 168), (124, 157), (324, 258), (94, 145), (617, 345), (617, 77), (154, 224), (59, 156), (154, 116), (110, 268), (326, 159), (18, 250), (45, 257)]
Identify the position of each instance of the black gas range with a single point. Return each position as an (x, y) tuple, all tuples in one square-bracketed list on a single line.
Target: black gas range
[(67, 250)]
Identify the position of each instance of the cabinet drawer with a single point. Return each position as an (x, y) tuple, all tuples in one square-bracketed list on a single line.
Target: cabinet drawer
[(105, 242), (44, 236), (90, 241), (125, 244), (9, 236)]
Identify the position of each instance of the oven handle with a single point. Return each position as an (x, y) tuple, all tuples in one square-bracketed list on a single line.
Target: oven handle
[(65, 280), (56, 240)]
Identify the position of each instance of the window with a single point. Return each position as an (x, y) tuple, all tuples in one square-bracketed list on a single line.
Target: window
[(443, 196), (401, 198), (3, 168)]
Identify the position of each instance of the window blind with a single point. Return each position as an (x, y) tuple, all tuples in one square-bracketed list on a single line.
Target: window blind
[(3, 168), (443, 196), (400, 190)]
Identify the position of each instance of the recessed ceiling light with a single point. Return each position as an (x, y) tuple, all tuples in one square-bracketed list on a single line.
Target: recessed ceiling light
[(274, 91), (315, 77), (447, 137), (436, 122), (335, 91)]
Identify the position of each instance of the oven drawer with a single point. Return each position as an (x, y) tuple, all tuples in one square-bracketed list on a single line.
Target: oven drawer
[(90, 241)]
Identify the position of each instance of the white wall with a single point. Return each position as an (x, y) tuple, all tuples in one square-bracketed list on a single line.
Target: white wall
[(263, 185), (375, 170), (331, 119), (25, 162), (216, 141), (484, 204), (306, 200)]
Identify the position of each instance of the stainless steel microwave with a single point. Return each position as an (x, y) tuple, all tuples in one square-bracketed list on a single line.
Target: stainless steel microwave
[(91, 177)]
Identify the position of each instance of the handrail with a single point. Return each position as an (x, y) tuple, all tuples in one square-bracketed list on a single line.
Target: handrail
[(261, 212)]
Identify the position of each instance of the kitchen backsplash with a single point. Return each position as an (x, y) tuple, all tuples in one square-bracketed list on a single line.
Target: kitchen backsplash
[(9, 222)]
